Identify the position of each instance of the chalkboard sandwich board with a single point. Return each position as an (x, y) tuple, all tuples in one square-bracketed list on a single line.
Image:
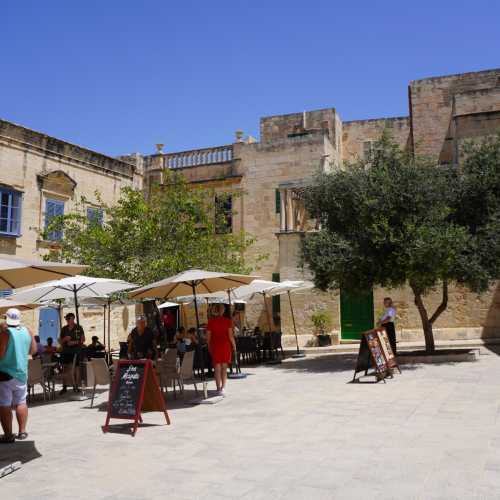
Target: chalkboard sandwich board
[(135, 388), (375, 351)]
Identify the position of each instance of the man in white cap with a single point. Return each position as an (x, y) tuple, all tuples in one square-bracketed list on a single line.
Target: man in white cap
[(16, 343)]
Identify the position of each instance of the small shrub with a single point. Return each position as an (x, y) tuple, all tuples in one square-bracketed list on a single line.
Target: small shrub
[(322, 321)]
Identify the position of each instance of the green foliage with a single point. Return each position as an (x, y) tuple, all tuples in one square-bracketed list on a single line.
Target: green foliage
[(147, 239), (396, 219), (322, 321)]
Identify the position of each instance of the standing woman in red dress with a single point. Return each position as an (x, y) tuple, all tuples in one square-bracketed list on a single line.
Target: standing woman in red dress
[(221, 345)]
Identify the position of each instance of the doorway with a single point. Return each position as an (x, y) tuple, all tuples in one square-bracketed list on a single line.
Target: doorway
[(48, 324), (356, 314)]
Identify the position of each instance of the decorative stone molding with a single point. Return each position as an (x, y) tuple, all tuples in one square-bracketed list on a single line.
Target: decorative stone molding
[(57, 182)]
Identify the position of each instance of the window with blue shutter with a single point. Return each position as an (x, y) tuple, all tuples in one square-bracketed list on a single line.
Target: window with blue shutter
[(53, 208), (95, 215), (6, 292), (10, 212)]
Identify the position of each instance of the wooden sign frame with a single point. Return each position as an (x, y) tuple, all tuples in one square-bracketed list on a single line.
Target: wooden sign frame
[(390, 357), (150, 396), (367, 357)]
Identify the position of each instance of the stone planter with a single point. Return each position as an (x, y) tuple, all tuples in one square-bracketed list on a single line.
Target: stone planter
[(324, 340)]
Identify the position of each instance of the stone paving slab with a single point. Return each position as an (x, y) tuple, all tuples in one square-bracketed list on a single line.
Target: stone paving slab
[(299, 430)]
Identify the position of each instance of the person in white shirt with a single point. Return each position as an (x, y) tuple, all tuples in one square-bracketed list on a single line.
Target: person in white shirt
[(387, 321)]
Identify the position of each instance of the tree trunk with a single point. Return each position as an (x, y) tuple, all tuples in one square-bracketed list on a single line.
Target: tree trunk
[(427, 322)]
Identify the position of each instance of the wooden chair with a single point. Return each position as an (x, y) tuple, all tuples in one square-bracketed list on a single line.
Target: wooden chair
[(49, 374), (101, 375), (276, 344), (186, 372), (35, 376), (168, 371)]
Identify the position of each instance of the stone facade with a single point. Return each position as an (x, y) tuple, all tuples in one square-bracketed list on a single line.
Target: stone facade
[(42, 168), (267, 177), (269, 174), (438, 104)]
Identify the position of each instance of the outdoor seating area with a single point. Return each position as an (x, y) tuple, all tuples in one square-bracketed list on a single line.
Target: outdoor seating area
[(174, 369), (182, 357)]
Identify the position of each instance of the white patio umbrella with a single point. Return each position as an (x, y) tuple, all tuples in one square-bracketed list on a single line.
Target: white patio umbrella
[(73, 288), (256, 287), (168, 304), (288, 287), (6, 304), (192, 282), (17, 273), (212, 298)]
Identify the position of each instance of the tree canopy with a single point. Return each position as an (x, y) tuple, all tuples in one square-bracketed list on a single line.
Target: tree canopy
[(143, 239), (395, 219)]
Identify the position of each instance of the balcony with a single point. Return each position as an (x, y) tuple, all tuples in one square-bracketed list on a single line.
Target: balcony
[(198, 157)]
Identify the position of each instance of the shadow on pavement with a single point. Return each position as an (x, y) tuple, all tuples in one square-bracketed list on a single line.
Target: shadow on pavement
[(127, 428), (181, 403), (494, 348), (328, 363), (19, 451)]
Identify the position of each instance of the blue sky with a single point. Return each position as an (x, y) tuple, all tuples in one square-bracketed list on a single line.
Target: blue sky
[(119, 76)]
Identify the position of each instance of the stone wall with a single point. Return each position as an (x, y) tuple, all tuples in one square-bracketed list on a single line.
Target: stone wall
[(42, 167), (433, 105), (306, 302), (264, 167), (356, 133), (276, 128), (468, 315)]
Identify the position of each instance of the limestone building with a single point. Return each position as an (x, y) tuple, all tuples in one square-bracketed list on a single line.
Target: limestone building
[(270, 174), (41, 177)]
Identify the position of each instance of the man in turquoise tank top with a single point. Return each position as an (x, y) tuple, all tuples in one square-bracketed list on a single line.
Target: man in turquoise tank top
[(16, 343)]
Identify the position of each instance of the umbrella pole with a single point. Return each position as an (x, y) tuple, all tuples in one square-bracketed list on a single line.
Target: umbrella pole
[(76, 305), (268, 314), (298, 354), (109, 331), (237, 370), (104, 332), (200, 350)]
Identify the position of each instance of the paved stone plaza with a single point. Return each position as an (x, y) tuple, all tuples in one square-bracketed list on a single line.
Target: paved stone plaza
[(298, 430)]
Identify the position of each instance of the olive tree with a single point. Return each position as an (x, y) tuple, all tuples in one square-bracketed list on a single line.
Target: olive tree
[(396, 219)]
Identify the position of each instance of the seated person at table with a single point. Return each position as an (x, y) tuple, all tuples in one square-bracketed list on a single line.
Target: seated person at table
[(72, 340), (179, 339), (95, 348), (190, 339), (141, 341), (50, 348)]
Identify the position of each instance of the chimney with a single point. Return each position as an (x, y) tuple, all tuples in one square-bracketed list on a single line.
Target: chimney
[(239, 135), (159, 148)]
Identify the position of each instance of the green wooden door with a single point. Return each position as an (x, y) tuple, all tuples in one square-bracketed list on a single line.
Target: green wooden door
[(356, 314)]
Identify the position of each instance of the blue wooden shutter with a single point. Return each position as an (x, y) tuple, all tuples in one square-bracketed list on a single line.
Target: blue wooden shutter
[(53, 208), (95, 215)]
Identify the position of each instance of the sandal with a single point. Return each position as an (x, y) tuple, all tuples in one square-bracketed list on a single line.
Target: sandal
[(22, 436), (7, 439)]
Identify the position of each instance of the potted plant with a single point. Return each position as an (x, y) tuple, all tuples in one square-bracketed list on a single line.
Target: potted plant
[(322, 321)]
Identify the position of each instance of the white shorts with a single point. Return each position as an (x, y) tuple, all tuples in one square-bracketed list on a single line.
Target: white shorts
[(12, 392)]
